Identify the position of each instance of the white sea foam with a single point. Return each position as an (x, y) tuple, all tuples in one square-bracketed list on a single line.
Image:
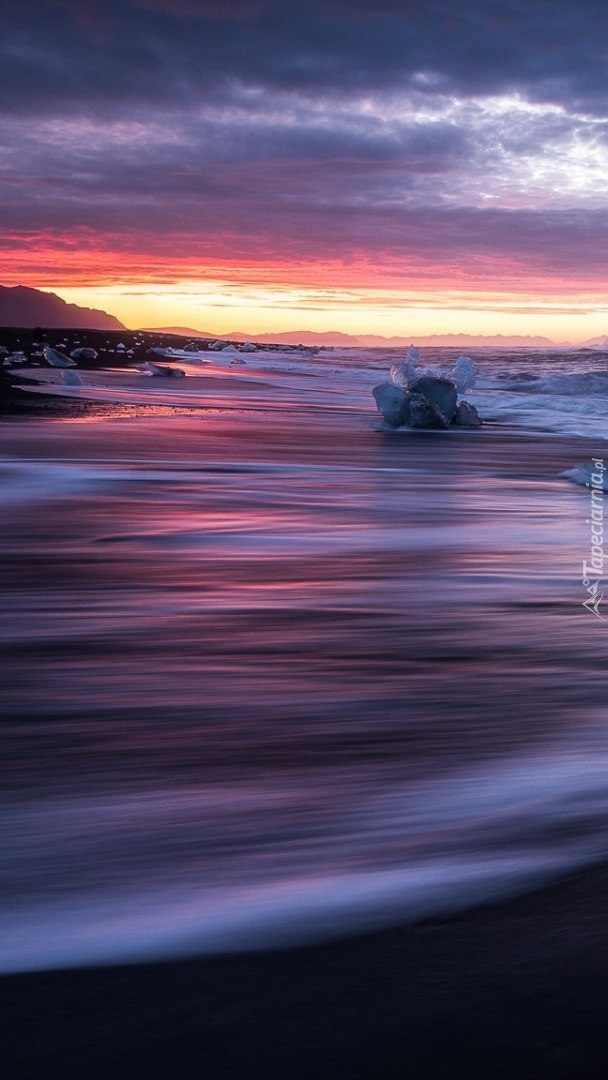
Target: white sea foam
[(485, 832), (565, 392), (582, 474)]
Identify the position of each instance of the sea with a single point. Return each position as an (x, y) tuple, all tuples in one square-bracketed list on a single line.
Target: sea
[(276, 673)]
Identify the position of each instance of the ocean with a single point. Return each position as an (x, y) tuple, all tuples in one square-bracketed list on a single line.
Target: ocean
[(276, 673)]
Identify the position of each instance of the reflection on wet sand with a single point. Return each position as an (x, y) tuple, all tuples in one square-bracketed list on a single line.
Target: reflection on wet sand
[(243, 656)]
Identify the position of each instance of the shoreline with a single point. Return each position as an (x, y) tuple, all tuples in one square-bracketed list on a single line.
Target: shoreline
[(508, 989), (513, 988)]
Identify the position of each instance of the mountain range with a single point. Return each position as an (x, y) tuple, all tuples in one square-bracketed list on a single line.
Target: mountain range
[(24, 307), (365, 341)]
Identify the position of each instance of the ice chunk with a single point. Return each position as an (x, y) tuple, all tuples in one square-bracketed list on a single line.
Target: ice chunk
[(390, 400), (440, 391), (55, 359), (248, 346), (467, 415), (424, 413), (228, 351), (84, 354), (404, 371), (464, 374), (70, 378), (147, 368), (589, 475)]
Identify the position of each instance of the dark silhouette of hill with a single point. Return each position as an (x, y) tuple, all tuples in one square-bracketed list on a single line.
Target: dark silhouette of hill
[(20, 306)]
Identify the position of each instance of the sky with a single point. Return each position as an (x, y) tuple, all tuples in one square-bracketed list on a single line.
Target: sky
[(260, 165)]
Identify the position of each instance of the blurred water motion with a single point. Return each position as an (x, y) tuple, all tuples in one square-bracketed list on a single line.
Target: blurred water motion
[(271, 681)]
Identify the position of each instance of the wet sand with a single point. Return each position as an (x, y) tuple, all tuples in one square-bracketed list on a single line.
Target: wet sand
[(516, 989)]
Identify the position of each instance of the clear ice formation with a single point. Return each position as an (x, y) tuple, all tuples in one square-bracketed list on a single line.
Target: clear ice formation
[(427, 399), (464, 374), (55, 359)]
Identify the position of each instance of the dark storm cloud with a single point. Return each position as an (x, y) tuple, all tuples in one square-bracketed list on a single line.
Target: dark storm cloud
[(371, 134), (116, 55)]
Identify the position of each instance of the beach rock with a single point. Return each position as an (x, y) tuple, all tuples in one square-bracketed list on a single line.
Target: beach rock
[(466, 415), (464, 374), (424, 413), (391, 403), (56, 359), (440, 391)]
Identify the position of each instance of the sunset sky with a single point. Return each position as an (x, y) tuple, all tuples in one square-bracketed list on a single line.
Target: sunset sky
[(259, 165)]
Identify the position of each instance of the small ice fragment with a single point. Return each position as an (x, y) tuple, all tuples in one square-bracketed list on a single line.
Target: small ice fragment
[(404, 371), (467, 415), (147, 368), (464, 374), (84, 354), (589, 475), (55, 359), (390, 400), (70, 378)]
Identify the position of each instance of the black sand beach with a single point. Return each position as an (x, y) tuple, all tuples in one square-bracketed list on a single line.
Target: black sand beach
[(516, 989)]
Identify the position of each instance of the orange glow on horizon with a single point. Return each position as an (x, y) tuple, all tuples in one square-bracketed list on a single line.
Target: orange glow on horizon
[(361, 296)]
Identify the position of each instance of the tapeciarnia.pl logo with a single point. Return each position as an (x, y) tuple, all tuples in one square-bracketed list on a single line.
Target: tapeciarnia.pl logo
[(593, 571)]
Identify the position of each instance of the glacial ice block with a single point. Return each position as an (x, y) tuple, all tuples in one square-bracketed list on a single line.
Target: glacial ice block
[(391, 402), (464, 374)]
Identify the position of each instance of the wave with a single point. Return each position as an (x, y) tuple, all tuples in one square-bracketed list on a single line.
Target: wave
[(476, 835), (579, 383)]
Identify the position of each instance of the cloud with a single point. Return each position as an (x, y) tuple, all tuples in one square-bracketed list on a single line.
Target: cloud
[(391, 144), (108, 55)]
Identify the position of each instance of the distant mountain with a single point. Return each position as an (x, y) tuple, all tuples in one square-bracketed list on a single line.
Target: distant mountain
[(601, 342), (461, 341), (181, 331), (20, 306), (308, 337), (375, 341), (367, 341)]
